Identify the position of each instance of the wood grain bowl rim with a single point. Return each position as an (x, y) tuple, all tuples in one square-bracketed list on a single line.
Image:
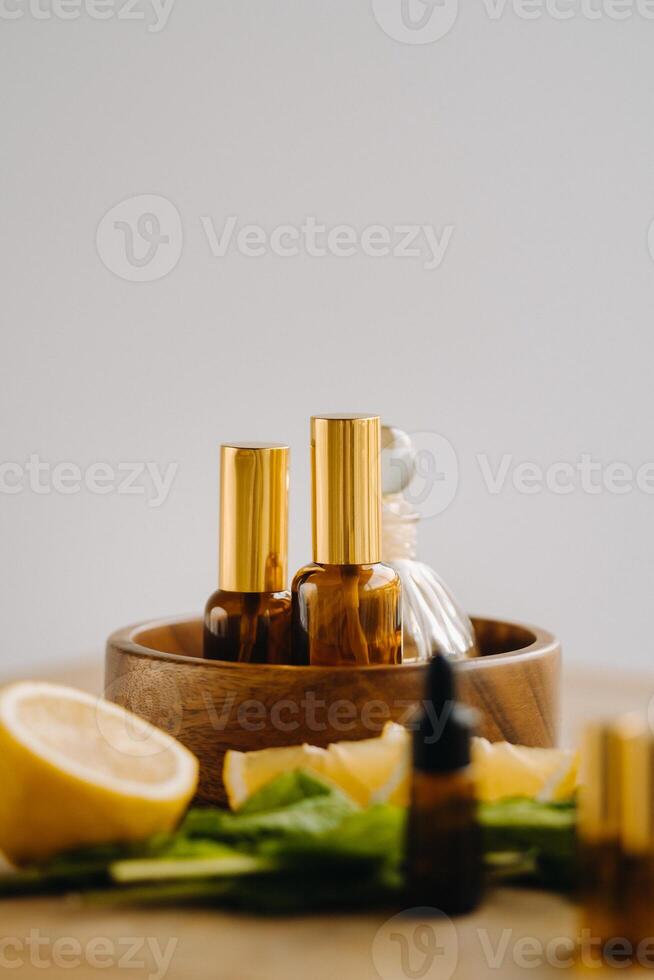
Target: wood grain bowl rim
[(544, 644)]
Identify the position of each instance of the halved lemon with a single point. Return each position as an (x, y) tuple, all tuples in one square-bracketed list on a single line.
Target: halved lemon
[(378, 770), (77, 770)]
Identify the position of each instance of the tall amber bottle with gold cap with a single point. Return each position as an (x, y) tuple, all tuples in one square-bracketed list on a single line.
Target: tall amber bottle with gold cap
[(637, 838), (616, 843), (249, 618), (599, 841), (346, 605)]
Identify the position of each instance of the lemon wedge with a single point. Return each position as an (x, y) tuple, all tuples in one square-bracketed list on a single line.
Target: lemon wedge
[(378, 770), (362, 769), (76, 770), (375, 770), (246, 772), (504, 770)]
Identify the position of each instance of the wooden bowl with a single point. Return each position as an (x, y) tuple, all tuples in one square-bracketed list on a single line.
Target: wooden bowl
[(156, 670)]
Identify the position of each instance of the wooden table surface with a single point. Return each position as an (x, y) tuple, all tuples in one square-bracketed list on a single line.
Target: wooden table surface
[(515, 933)]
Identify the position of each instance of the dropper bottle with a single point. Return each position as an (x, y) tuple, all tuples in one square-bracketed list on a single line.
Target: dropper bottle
[(444, 857), (346, 605), (249, 618)]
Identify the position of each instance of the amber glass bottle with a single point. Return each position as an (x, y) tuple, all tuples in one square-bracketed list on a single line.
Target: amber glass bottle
[(444, 855), (615, 829), (249, 618), (637, 837), (601, 885), (346, 605)]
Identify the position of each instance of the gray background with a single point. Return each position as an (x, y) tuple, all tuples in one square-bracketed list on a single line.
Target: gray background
[(534, 139)]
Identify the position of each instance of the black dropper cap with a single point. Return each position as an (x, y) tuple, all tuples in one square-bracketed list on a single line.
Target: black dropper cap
[(443, 731)]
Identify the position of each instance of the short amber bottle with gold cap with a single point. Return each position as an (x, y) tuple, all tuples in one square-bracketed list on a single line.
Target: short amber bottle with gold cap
[(249, 618), (346, 604)]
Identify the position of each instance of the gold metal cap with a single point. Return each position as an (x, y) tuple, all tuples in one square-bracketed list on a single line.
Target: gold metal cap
[(600, 794), (253, 517), (346, 474), (638, 788)]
